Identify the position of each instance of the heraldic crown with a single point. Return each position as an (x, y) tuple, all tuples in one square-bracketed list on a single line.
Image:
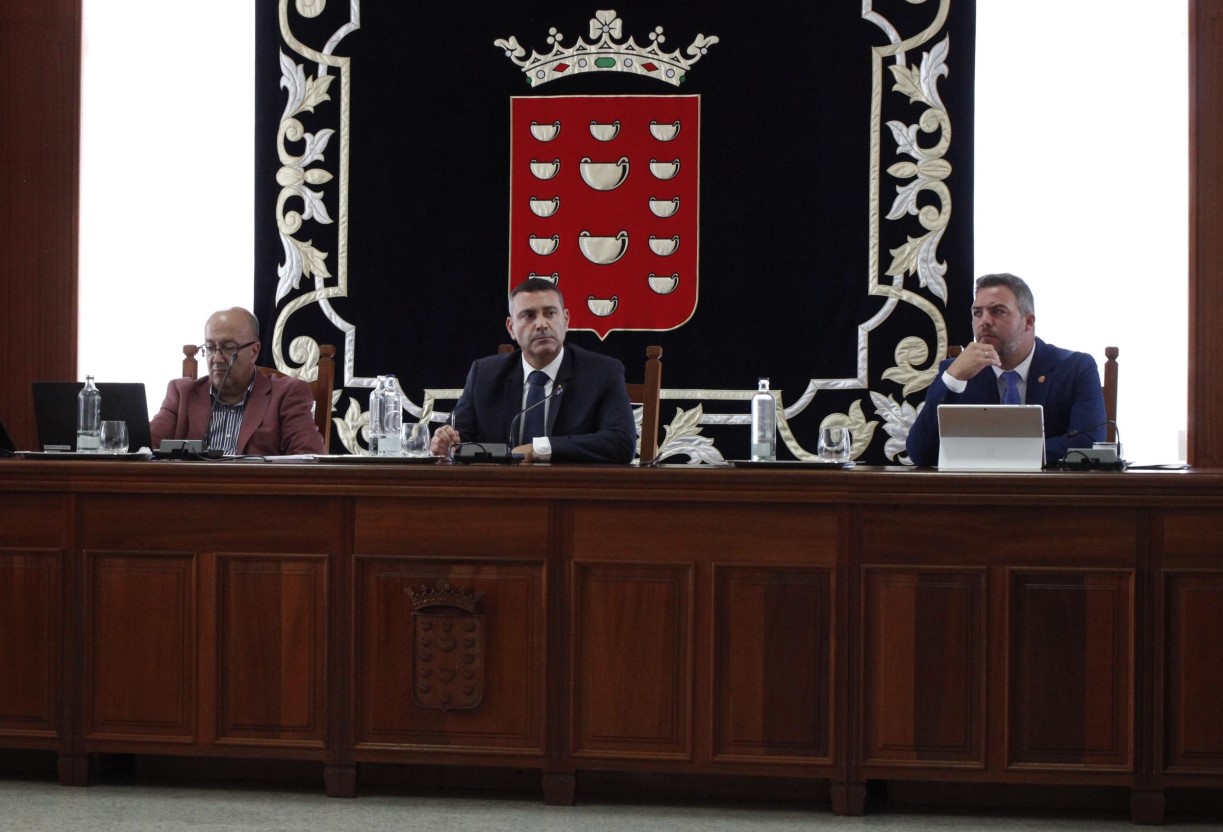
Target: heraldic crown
[(442, 595), (606, 51)]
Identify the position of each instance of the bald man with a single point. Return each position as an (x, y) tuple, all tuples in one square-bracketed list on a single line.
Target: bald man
[(236, 409)]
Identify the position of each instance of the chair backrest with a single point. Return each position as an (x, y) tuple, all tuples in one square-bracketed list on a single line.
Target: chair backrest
[(1109, 387), (1110, 391), (321, 388), (647, 393)]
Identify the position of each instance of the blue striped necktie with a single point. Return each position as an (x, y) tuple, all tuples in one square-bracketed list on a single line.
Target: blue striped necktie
[(1011, 394)]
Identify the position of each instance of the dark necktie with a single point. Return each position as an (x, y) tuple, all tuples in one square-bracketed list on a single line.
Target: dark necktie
[(1011, 394), (533, 416)]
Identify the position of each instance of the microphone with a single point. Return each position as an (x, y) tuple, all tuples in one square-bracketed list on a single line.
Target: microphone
[(1103, 456), (467, 452), (1093, 427), (213, 410), (557, 389)]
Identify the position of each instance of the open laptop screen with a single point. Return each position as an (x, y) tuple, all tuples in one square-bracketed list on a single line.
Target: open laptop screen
[(55, 412), (991, 437)]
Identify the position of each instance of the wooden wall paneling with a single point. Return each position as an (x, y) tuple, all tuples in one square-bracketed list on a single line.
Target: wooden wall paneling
[(1205, 242), (509, 720), (140, 648), (40, 59), (459, 527), (588, 579), (30, 634), (632, 680), (272, 649), (774, 643), (970, 534), (1193, 602), (783, 556), (1071, 669), (340, 768), (923, 653), (169, 633), (34, 546), (1188, 661)]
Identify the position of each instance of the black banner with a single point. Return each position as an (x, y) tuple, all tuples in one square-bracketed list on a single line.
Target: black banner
[(834, 244)]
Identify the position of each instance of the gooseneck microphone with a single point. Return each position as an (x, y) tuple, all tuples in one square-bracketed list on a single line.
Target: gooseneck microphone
[(1102, 456), (1078, 431), (512, 441), (213, 410)]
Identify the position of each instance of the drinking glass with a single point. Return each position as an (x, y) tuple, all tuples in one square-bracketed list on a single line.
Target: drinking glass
[(416, 439), (113, 437), (835, 444)]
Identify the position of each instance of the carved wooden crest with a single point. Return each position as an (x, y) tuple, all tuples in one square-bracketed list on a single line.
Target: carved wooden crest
[(448, 642)]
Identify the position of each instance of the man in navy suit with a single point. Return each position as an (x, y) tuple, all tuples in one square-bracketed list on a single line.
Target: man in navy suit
[(1065, 383), (585, 412)]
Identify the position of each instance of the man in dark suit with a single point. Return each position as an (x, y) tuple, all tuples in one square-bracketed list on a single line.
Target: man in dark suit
[(1022, 369), (578, 410), (236, 409)]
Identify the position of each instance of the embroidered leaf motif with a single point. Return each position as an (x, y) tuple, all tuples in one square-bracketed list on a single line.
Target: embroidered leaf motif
[(904, 259), (300, 259), (934, 65), (908, 82), (911, 353), (315, 208), (353, 424), (292, 79), (897, 420), (682, 438), (316, 93), (861, 431)]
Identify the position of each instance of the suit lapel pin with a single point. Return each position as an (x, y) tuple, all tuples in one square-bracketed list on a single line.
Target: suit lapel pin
[(1040, 380)]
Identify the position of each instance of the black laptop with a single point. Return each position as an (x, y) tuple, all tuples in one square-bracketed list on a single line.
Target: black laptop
[(55, 412), (6, 441)]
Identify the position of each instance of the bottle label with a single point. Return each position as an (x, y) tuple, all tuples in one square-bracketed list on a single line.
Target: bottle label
[(390, 445), (87, 442)]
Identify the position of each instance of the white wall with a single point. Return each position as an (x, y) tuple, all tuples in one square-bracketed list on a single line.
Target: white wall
[(1082, 188), (167, 181), (1087, 202)]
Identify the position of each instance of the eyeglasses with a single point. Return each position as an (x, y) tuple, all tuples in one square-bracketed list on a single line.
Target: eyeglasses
[(226, 350)]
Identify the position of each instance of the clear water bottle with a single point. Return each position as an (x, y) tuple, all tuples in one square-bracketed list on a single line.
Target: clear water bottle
[(764, 423), (89, 418), (375, 415), (390, 443)]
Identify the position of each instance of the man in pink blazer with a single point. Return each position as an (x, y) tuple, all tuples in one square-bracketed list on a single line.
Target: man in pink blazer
[(235, 408)]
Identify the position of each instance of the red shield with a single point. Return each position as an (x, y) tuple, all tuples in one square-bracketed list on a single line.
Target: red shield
[(605, 199)]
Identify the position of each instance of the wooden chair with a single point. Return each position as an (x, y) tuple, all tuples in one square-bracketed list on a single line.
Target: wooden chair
[(321, 388), (1109, 387), (1110, 391), (647, 393)]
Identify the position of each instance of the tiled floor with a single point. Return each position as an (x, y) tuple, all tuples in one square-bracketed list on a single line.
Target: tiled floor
[(37, 805)]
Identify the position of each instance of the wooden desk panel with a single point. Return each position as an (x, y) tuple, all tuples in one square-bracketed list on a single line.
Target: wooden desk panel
[(1052, 628)]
